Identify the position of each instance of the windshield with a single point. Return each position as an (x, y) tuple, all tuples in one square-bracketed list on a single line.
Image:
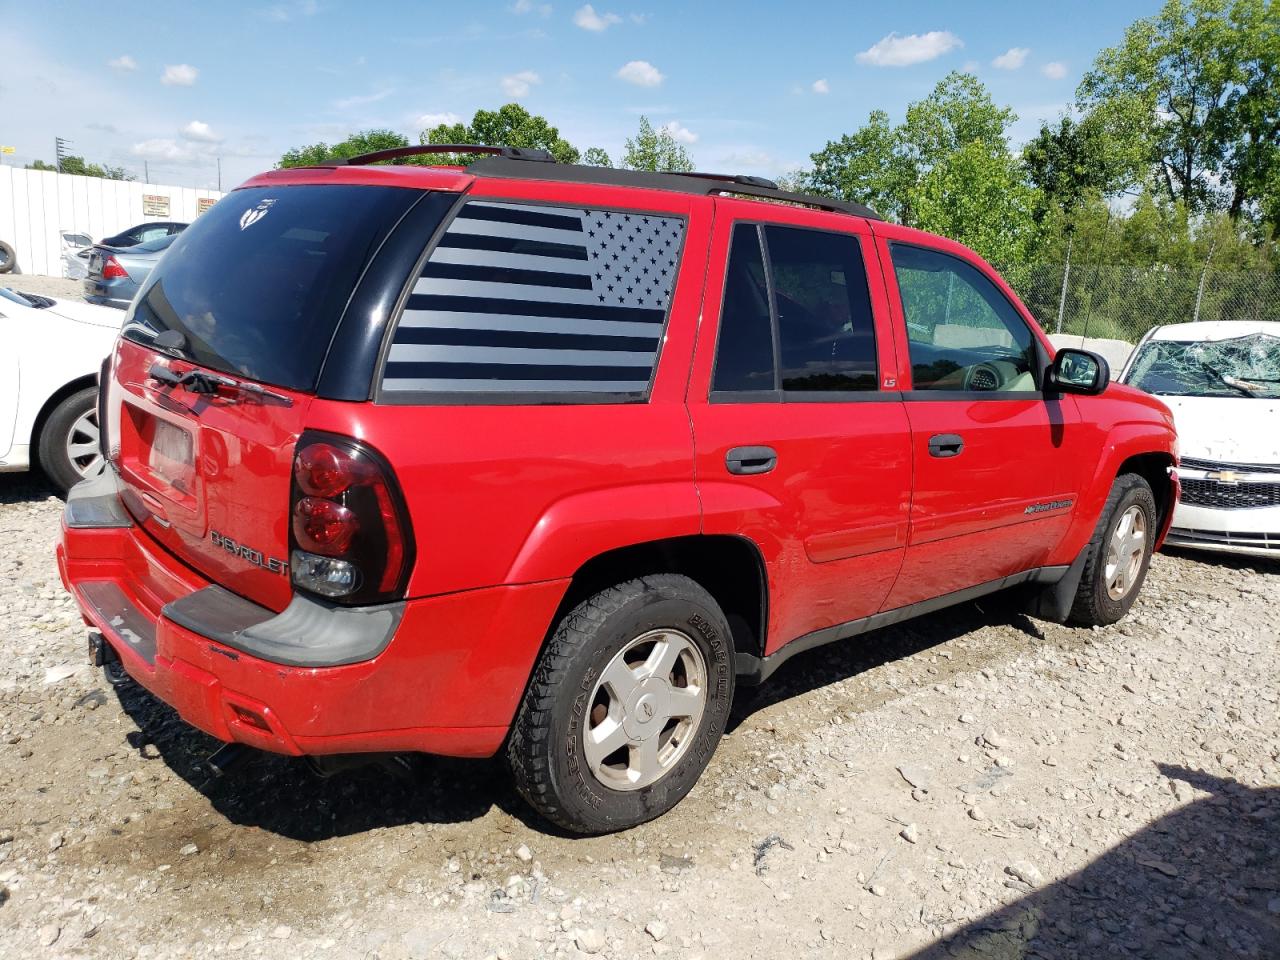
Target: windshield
[(151, 246), (257, 285), (1246, 366)]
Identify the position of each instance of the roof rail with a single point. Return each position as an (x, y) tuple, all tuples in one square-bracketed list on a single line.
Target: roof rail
[(395, 153), (703, 184)]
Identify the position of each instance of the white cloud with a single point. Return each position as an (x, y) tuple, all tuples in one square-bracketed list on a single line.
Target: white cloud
[(528, 6), (1055, 70), (360, 100), (1011, 59), (821, 86), (518, 84), (639, 19), (179, 75), (200, 131), (642, 73), (970, 66), (123, 62), (426, 121), (284, 12), (165, 149), (683, 134), (588, 19), (896, 51)]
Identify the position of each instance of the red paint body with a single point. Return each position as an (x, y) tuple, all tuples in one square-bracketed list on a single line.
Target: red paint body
[(507, 503)]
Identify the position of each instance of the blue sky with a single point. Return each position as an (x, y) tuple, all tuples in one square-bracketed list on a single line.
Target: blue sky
[(750, 88)]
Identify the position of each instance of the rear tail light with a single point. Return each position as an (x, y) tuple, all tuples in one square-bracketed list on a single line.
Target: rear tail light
[(349, 534), (111, 269)]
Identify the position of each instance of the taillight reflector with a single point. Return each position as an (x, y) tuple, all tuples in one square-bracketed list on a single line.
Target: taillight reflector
[(111, 269)]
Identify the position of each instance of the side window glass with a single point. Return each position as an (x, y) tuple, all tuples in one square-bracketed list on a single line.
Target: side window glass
[(826, 339), (151, 233), (527, 300), (744, 347), (962, 332)]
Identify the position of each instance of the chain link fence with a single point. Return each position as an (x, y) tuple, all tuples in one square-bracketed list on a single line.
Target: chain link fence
[(1123, 303)]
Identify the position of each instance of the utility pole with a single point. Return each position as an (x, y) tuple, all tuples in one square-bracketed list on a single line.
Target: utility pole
[(60, 150), (146, 172), (219, 174)]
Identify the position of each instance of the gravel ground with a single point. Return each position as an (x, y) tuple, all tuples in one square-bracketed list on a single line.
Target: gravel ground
[(972, 784), (45, 286)]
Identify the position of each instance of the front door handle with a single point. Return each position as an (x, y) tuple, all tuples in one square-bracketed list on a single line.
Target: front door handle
[(945, 445), (749, 460)]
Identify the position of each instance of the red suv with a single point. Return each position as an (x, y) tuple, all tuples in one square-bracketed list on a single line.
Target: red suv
[(546, 459)]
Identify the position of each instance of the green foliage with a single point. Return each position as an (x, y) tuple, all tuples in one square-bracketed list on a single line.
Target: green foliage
[(1194, 90), (79, 167), (596, 157), (358, 143), (510, 125), (1069, 162), (656, 151)]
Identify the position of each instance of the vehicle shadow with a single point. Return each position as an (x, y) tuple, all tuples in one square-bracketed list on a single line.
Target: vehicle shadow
[(26, 488), (1198, 883), (844, 659), (285, 796)]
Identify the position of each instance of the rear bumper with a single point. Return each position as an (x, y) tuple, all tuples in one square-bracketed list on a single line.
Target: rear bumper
[(446, 678)]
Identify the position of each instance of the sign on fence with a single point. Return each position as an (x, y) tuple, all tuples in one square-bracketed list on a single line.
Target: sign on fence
[(155, 205), (204, 203)]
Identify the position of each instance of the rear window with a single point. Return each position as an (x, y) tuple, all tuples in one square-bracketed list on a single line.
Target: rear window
[(257, 285)]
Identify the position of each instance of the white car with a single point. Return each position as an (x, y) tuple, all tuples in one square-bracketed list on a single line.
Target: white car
[(52, 351), (1222, 382)]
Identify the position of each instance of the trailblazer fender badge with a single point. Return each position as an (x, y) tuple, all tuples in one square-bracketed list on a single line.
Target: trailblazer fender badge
[(1050, 505), (245, 552)]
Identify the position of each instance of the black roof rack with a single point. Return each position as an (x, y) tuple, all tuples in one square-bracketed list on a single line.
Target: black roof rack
[(511, 162), (702, 184), (395, 153)]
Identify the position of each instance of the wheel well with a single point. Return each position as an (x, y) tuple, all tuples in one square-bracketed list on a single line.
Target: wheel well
[(52, 404), (1154, 468), (729, 568)]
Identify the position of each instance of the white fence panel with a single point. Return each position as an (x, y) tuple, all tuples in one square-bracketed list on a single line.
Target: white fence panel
[(37, 205)]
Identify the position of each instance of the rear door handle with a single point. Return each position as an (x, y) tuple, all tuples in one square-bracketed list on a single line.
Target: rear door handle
[(749, 460), (945, 445)]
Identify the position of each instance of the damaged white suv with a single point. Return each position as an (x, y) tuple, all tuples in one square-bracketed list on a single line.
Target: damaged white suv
[(1222, 382)]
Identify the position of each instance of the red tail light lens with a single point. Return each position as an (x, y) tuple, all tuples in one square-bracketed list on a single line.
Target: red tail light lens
[(349, 533), (323, 526), (112, 270)]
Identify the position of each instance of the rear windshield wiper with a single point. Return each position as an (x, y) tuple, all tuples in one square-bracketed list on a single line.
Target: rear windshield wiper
[(209, 384)]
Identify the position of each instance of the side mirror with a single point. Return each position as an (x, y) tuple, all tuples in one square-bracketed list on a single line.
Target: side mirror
[(1077, 371)]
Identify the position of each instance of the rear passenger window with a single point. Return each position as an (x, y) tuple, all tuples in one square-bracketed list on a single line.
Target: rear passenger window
[(744, 351), (826, 340), (519, 299)]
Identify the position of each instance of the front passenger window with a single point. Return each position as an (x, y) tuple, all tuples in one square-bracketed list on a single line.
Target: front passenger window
[(962, 332)]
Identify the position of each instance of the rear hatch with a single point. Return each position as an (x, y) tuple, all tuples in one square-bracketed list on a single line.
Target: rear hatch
[(215, 371)]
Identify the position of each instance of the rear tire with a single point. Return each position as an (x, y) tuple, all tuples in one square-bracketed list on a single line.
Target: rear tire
[(625, 707), (68, 444), (1119, 554), (8, 258)]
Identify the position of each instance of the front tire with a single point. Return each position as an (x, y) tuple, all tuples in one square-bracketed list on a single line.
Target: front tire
[(1119, 554), (68, 445), (626, 705)]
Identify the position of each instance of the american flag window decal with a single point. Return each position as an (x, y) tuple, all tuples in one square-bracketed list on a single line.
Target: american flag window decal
[(518, 298)]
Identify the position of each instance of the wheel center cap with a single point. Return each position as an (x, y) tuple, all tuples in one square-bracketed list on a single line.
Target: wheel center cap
[(646, 709)]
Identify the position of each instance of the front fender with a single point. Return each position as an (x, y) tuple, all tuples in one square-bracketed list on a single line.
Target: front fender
[(580, 527), (1124, 440)]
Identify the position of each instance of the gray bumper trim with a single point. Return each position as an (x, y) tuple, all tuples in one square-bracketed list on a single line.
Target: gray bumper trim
[(95, 503), (308, 633)]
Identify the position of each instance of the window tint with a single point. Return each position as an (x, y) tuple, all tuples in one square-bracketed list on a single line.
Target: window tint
[(962, 333), (538, 299), (744, 347), (826, 338), (257, 285)]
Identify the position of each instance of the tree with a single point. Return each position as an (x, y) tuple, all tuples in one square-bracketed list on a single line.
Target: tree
[(596, 157), (885, 166), (976, 195), (1201, 77), (510, 125), (656, 151), (365, 142), (1070, 162), (78, 167)]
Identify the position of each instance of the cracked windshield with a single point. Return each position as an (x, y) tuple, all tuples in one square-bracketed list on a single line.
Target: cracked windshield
[(1242, 366)]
